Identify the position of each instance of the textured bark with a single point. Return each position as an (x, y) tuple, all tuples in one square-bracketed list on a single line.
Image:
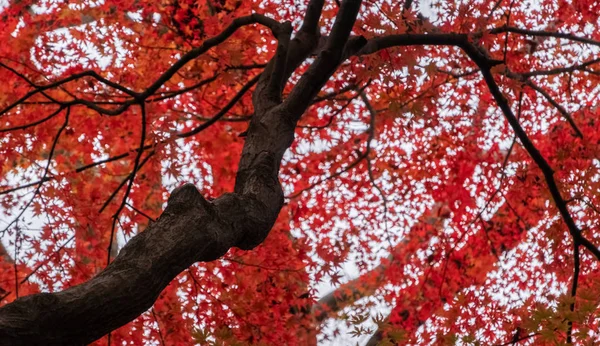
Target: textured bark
[(192, 229)]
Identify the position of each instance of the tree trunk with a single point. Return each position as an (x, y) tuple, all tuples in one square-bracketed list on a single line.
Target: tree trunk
[(192, 229)]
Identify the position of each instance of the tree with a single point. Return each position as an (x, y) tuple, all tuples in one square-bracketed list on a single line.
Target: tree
[(449, 151)]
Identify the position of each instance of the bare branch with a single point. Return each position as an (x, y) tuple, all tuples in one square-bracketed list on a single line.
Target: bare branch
[(485, 66), (206, 45), (485, 63), (224, 110), (310, 25), (556, 105), (124, 181), (277, 75), (44, 174), (576, 268), (542, 33), (328, 60), (559, 70), (35, 123), (382, 42)]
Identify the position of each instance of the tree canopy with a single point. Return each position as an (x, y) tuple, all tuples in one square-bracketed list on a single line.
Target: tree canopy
[(182, 172)]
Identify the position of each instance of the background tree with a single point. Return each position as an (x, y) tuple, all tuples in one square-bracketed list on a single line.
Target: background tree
[(448, 151)]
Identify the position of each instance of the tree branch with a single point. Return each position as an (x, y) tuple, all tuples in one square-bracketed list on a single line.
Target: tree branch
[(576, 267), (328, 60), (558, 107), (223, 110), (190, 229), (485, 63), (542, 33), (45, 177), (485, 66), (310, 25), (276, 80), (206, 45), (152, 89)]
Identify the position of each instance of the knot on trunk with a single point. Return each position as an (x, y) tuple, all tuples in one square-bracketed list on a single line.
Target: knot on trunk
[(186, 197)]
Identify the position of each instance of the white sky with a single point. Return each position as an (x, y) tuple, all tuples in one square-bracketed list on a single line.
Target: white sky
[(349, 269)]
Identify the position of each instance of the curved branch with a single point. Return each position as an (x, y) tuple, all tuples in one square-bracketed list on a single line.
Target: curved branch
[(45, 177), (190, 133), (190, 229), (223, 110), (485, 66), (327, 61), (206, 45), (543, 33), (35, 123), (558, 107), (167, 75)]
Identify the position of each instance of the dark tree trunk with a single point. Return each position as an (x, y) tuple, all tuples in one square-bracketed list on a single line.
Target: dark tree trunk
[(192, 229)]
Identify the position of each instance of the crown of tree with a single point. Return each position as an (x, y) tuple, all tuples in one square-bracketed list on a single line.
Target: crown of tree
[(233, 172)]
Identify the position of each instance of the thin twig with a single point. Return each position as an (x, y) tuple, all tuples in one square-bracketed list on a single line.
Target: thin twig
[(136, 166), (140, 212), (45, 174), (576, 267), (558, 107)]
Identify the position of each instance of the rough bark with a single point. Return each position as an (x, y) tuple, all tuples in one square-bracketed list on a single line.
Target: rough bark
[(192, 229)]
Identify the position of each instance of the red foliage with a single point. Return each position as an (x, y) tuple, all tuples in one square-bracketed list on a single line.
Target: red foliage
[(404, 167)]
